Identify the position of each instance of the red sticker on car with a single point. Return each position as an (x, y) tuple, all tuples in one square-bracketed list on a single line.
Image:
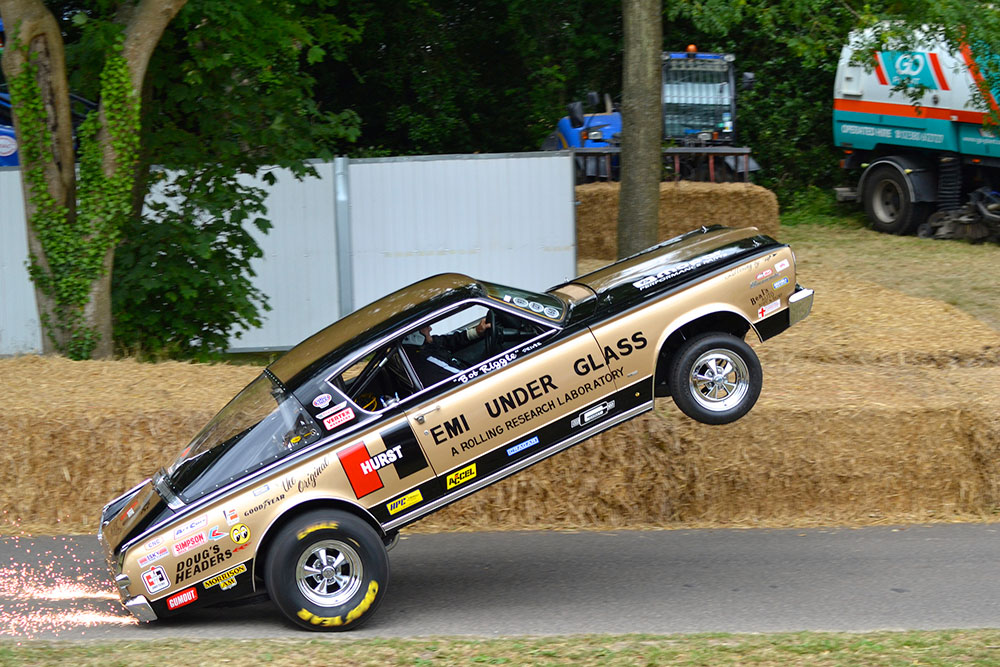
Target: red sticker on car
[(364, 479), (185, 597), (333, 421)]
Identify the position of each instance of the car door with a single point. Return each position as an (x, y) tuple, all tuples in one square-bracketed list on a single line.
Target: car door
[(526, 398)]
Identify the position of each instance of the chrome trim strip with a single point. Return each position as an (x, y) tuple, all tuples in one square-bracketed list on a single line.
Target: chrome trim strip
[(520, 465), (141, 609)]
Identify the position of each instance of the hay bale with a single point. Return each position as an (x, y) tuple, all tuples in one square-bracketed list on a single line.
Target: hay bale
[(860, 449), (86, 431), (878, 408), (684, 205), (858, 322)]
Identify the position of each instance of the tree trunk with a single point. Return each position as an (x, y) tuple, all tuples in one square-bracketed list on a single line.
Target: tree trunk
[(144, 26), (28, 22), (638, 202)]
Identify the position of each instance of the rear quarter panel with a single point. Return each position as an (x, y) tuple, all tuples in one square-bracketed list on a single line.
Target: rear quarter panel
[(754, 290)]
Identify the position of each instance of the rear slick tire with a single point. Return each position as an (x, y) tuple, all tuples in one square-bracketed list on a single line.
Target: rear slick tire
[(327, 571), (715, 378)]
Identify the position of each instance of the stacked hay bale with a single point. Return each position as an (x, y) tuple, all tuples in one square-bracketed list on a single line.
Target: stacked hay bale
[(78, 433), (684, 205), (878, 408)]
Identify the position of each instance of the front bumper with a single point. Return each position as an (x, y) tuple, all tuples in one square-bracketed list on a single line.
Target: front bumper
[(140, 608), (137, 605)]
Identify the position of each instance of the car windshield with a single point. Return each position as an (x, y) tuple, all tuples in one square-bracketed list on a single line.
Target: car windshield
[(262, 424)]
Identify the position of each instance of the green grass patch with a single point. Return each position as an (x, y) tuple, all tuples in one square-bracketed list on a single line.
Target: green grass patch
[(954, 272), (949, 647)]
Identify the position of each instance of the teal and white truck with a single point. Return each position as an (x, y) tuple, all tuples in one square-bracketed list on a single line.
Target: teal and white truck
[(913, 124)]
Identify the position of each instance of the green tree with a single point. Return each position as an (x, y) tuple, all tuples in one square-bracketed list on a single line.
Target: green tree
[(230, 95), (72, 231)]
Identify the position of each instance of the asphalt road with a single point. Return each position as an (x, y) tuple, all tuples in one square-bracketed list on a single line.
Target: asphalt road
[(541, 583)]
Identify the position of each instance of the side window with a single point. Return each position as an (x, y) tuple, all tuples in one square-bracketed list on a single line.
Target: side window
[(378, 380), (462, 339)]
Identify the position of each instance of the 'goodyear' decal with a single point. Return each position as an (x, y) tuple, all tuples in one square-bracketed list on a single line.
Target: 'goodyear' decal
[(461, 476), (353, 615), (225, 580), (326, 525), (400, 504)]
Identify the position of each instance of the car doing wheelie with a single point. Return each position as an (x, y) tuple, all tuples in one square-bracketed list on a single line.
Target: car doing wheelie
[(301, 483)]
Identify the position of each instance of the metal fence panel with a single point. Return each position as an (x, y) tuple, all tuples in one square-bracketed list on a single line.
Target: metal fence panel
[(298, 269), (505, 218), (20, 332)]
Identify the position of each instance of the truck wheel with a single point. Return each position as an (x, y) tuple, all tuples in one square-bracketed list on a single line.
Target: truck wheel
[(887, 202), (327, 571), (715, 378)]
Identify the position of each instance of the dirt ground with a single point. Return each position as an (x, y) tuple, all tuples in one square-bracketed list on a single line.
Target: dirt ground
[(881, 407)]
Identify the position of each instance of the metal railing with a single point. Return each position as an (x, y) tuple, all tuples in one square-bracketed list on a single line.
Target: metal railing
[(674, 156)]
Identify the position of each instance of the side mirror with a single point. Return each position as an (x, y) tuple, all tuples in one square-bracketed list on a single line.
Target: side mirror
[(593, 99), (748, 81), (575, 110)]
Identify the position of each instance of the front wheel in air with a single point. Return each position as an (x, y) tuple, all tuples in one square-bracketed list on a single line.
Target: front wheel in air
[(715, 378), (327, 571)]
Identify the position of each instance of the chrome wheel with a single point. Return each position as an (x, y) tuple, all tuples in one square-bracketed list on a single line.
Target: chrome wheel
[(329, 573), (719, 380)]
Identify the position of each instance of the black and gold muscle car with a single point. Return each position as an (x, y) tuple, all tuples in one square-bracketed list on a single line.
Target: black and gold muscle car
[(301, 483)]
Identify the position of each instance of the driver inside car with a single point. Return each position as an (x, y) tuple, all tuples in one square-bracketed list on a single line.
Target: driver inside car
[(432, 356)]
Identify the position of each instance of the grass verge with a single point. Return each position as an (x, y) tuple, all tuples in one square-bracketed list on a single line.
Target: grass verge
[(956, 272), (948, 647)]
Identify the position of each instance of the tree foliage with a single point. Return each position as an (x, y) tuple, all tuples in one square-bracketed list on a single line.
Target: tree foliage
[(230, 95), (72, 231)]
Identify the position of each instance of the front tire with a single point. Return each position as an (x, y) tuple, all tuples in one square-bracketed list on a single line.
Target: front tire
[(715, 378), (887, 202), (327, 571)]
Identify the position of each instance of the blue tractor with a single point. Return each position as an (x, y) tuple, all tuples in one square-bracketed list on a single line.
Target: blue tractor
[(699, 112)]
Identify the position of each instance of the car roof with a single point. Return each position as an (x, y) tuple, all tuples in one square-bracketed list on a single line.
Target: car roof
[(369, 323)]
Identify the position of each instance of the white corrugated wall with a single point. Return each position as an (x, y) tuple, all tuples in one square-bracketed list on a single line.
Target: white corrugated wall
[(506, 218), (20, 332)]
